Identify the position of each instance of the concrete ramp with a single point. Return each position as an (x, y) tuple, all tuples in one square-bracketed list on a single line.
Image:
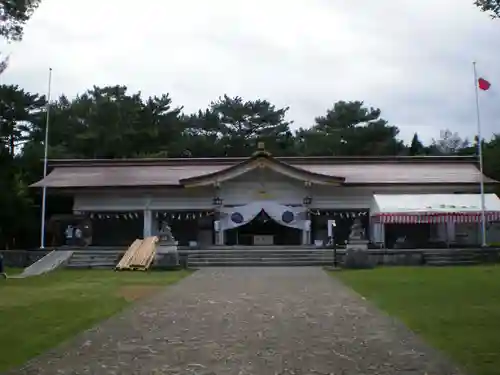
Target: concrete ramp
[(48, 263)]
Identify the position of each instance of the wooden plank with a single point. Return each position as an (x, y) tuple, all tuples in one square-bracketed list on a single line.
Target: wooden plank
[(124, 263), (145, 254)]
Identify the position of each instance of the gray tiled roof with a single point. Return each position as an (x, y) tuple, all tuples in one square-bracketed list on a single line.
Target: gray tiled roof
[(143, 174), (403, 173)]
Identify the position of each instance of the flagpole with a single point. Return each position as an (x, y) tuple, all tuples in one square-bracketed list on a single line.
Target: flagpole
[(4, 64), (46, 149), (480, 154)]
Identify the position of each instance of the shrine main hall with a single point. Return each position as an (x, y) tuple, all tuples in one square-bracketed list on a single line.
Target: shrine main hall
[(264, 200)]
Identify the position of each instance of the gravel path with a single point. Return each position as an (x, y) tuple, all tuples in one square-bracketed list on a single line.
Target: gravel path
[(247, 321)]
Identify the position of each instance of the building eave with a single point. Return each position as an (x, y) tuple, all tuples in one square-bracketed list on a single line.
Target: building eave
[(447, 183)]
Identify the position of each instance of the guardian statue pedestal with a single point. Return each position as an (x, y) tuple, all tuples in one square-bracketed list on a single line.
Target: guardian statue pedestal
[(357, 255), (167, 255)]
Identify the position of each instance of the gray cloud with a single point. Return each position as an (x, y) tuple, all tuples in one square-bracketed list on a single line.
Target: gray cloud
[(412, 60)]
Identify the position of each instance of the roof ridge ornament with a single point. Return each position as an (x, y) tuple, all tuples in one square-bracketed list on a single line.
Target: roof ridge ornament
[(261, 150)]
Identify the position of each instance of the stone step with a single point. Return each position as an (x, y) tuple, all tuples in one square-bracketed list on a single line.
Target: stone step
[(91, 264), (450, 256), (258, 264), (236, 251), (258, 256), (91, 258), (257, 247), (95, 254), (251, 256), (452, 263), (257, 259), (95, 259), (431, 259), (253, 252)]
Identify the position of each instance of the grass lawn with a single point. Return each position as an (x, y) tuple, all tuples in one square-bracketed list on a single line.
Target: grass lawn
[(13, 271), (40, 312), (456, 309)]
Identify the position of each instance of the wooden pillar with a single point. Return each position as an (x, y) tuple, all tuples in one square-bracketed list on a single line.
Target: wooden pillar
[(222, 237), (219, 234), (304, 236), (148, 221), (306, 233), (148, 218)]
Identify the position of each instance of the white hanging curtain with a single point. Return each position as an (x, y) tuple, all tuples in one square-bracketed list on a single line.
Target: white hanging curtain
[(451, 232), (377, 232), (234, 217)]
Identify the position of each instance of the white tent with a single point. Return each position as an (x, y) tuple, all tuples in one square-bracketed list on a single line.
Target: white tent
[(433, 208)]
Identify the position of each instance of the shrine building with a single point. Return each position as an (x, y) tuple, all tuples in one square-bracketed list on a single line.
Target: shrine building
[(289, 201)]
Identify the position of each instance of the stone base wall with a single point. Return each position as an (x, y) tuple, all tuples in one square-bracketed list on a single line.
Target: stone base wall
[(21, 258), (417, 257), (413, 258), (390, 257), (379, 257)]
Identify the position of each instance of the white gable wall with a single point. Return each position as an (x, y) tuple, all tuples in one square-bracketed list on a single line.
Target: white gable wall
[(262, 184)]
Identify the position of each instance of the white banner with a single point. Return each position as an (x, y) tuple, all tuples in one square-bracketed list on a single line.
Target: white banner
[(377, 232), (331, 225), (234, 217)]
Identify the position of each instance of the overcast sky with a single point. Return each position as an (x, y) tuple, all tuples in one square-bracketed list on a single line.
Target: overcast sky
[(411, 58)]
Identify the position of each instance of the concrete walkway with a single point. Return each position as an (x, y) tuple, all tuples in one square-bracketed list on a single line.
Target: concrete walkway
[(247, 321)]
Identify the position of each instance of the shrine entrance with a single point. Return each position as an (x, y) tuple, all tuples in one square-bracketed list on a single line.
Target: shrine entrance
[(263, 231)]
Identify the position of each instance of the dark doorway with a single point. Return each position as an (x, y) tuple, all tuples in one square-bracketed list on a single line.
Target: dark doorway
[(413, 235), (184, 230), (344, 219), (262, 224), (117, 228)]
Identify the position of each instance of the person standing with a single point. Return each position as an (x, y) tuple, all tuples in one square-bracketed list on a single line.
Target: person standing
[(78, 236), (69, 234)]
